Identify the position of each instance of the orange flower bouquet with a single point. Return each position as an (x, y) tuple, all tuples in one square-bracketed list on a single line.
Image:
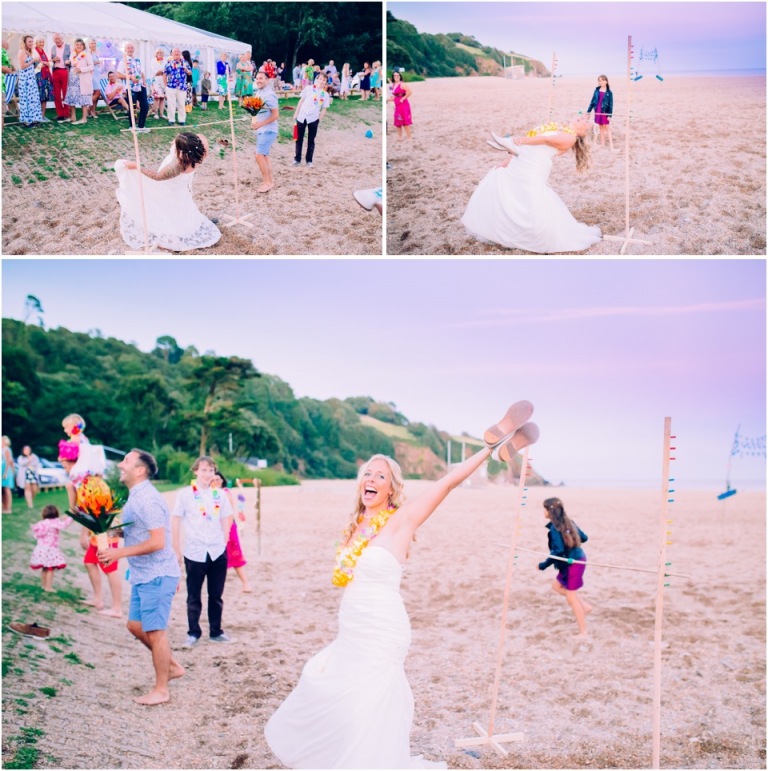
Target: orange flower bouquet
[(252, 104), (97, 508)]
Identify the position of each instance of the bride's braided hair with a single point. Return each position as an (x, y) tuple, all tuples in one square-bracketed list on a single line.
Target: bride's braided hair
[(190, 150)]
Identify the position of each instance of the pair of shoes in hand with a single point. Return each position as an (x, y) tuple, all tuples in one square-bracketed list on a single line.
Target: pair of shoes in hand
[(503, 143), (513, 432)]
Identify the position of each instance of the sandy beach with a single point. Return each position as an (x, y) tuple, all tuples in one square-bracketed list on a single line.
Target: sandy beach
[(697, 162), (580, 703), (309, 211)]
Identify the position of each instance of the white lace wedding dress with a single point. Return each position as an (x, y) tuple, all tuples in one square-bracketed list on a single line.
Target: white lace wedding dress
[(353, 707), (173, 220), (516, 207)]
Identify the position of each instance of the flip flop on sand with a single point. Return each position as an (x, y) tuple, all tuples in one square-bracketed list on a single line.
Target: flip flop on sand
[(523, 437), (516, 415), (495, 145), (223, 142)]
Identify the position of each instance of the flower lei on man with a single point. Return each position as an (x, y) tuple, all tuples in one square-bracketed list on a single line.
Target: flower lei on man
[(347, 556), (201, 505), (548, 127)]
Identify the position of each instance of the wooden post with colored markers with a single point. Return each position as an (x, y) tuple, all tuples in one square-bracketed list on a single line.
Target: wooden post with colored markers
[(237, 219)]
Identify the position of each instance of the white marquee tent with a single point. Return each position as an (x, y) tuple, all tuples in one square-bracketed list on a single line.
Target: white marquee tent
[(113, 22)]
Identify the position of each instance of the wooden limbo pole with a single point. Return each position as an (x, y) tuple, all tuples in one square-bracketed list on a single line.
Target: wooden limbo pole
[(627, 237), (237, 219), (487, 736), (552, 85), (667, 490), (147, 248), (257, 523)]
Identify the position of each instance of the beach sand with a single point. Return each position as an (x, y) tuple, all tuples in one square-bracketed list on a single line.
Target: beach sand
[(697, 162), (580, 703), (309, 211)]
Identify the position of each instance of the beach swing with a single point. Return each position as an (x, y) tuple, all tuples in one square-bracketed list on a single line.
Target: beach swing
[(648, 55)]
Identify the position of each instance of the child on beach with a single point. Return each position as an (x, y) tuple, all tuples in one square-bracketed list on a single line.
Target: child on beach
[(565, 539), (602, 104), (47, 556), (235, 558)]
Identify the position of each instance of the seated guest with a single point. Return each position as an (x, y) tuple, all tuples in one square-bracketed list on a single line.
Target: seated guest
[(115, 92)]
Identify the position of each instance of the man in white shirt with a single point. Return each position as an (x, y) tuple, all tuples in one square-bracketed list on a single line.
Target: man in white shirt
[(330, 69), (137, 82), (309, 112), (207, 517)]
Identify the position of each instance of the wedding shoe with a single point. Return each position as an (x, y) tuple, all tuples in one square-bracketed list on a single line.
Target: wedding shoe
[(496, 145), (526, 435), (506, 143), (516, 415)]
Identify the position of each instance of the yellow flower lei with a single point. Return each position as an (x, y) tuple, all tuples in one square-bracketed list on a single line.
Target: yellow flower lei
[(551, 126), (347, 556)]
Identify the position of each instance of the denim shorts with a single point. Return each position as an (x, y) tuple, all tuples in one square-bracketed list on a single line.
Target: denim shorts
[(265, 141), (151, 603)]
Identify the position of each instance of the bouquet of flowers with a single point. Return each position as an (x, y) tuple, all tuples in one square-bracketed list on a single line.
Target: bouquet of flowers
[(97, 507), (252, 104)]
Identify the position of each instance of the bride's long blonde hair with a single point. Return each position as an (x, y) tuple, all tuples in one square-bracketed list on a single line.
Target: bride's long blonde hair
[(583, 152), (396, 497)]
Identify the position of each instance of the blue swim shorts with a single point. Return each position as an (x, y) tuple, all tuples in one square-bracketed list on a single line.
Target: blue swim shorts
[(151, 603), (265, 141)]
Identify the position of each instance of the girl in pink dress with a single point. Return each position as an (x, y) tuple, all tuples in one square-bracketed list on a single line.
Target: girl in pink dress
[(47, 556), (400, 96), (235, 558)]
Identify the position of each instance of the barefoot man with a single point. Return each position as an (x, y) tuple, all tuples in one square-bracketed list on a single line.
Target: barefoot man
[(264, 124), (154, 570)]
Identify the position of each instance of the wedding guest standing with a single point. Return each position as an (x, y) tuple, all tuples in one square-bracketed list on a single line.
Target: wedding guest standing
[(309, 112), (96, 75), (7, 70), (244, 82), (80, 88), (346, 80), (400, 96), (222, 77), (264, 123), (207, 518), (137, 82), (188, 97), (60, 54), (154, 575), (44, 77), (9, 475), (175, 79), (28, 467), (365, 82), (29, 96)]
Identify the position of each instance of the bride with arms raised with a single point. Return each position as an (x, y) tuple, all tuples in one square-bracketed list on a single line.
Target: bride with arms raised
[(514, 205), (353, 707)]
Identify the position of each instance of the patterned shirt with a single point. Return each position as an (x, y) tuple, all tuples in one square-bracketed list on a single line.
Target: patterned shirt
[(134, 71), (176, 73), (147, 510), (6, 63), (203, 533)]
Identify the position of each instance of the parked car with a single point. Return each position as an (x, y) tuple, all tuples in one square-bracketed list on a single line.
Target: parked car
[(52, 474)]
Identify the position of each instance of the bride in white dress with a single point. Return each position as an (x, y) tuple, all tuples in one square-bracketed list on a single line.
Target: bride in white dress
[(514, 205), (173, 220), (353, 707)]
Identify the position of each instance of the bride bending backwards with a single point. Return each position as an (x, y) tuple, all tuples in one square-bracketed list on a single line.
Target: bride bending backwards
[(514, 206), (353, 707), (173, 220)]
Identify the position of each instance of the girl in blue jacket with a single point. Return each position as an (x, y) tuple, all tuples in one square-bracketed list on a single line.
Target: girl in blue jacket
[(565, 539), (602, 104)]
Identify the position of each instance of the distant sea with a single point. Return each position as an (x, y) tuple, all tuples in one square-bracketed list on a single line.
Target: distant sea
[(746, 485), (694, 73)]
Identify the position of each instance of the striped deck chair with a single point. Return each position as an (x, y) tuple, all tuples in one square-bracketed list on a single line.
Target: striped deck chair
[(103, 83), (10, 86)]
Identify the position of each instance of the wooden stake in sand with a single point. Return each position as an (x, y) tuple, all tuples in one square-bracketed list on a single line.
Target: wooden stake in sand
[(552, 85), (666, 492), (257, 524), (237, 219), (627, 237), (147, 248), (487, 736)]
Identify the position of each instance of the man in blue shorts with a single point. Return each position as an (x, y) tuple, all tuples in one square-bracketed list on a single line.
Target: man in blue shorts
[(154, 569), (264, 124)]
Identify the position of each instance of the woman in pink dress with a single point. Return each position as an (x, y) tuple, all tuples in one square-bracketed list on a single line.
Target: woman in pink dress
[(235, 558), (400, 95)]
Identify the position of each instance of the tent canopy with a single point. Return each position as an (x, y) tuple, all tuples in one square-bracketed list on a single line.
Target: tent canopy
[(109, 21)]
